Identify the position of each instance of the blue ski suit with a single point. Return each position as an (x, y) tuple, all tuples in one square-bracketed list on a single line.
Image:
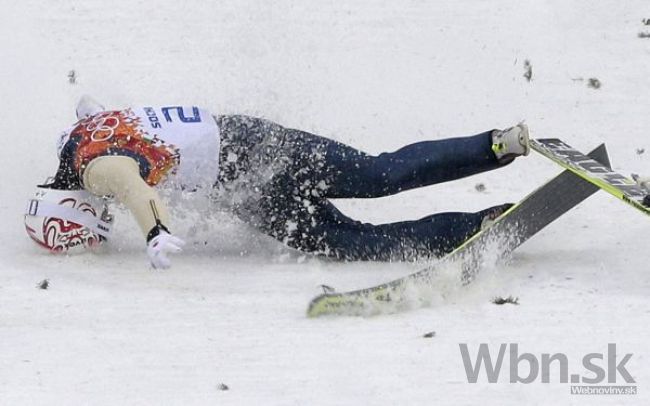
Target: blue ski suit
[(281, 180)]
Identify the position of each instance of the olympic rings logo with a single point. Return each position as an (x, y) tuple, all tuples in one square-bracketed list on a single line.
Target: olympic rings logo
[(103, 127)]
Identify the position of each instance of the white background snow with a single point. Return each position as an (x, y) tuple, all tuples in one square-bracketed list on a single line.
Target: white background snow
[(376, 75)]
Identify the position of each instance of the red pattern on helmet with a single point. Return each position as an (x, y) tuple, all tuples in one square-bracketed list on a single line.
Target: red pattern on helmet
[(58, 235)]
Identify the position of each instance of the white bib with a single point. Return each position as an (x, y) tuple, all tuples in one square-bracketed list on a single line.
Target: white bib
[(194, 132)]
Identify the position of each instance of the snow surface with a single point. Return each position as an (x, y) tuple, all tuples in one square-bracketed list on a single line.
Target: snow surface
[(377, 75)]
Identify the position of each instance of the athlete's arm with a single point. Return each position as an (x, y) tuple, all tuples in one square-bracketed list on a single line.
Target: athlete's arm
[(120, 176)]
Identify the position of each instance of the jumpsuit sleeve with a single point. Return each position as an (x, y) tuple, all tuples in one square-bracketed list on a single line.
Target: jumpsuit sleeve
[(120, 176)]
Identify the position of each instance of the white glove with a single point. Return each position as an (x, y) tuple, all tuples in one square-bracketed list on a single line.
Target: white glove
[(159, 246)]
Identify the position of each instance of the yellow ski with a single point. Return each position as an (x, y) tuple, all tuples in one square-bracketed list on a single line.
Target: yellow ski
[(592, 171)]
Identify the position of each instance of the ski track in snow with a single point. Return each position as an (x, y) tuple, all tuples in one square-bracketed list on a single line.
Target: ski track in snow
[(377, 75)]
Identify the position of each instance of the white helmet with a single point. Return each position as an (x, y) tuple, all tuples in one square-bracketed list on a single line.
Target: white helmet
[(67, 221)]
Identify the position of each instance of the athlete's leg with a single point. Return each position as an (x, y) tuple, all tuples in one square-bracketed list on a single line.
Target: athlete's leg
[(279, 181), (340, 171), (331, 233), (355, 174)]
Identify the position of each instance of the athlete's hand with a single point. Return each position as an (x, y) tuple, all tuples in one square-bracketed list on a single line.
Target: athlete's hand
[(160, 246)]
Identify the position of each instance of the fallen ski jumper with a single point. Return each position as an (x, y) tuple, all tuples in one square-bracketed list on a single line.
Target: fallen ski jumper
[(281, 180)]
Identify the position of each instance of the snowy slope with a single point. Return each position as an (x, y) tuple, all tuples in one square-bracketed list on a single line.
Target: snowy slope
[(377, 75)]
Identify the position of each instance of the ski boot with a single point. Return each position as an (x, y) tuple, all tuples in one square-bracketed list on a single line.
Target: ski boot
[(510, 143), (490, 215)]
